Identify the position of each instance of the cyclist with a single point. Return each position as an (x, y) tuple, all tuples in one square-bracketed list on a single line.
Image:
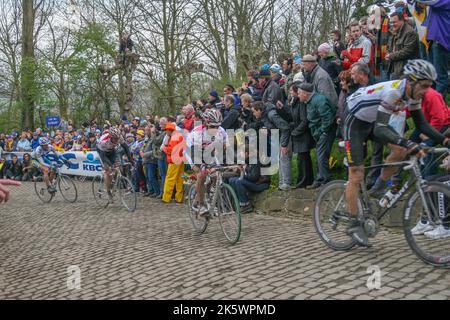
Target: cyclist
[(40, 159), (107, 147), (208, 135), (367, 117)]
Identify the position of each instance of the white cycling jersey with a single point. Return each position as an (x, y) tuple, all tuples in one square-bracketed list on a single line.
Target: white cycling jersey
[(201, 138), (105, 144), (41, 155), (387, 97)]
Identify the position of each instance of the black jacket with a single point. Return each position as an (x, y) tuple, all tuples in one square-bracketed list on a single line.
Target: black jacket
[(232, 119), (302, 140), (271, 120)]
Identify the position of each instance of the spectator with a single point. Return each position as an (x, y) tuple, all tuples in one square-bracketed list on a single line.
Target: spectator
[(359, 50), (287, 66), (215, 101), (252, 181), (322, 82), (29, 172), (2, 166), (150, 162), (321, 121), (174, 152), (92, 142), (403, 45), (275, 73), (68, 143), (302, 141), (296, 69), (338, 45), (10, 144), (330, 64), (159, 143), (24, 144), (438, 33), (267, 117), (136, 148), (232, 116), (229, 90), (246, 113), (346, 82), (14, 169), (271, 92), (360, 74), (2, 140), (437, 114), (379, 27), (188, 122), (58, 143)]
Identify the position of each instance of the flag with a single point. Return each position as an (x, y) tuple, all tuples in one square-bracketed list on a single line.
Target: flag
[(420, 14)]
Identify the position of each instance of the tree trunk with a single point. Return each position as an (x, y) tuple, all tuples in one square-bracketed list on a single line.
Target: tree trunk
[(28, 67)]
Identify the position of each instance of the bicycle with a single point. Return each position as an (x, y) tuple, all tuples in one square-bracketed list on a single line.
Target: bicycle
[(221, 201), (119, 184), (64, 183), (425, 201)]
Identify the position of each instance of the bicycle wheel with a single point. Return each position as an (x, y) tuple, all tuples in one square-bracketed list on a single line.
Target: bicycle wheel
[(200, 223), (229, 213), (127, 194), (41, 190), (432, 249), (67, 188), (99, 191), (331, 216)]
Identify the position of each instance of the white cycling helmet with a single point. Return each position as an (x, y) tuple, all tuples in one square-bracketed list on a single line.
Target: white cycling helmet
[(420, 70), (114, 133)]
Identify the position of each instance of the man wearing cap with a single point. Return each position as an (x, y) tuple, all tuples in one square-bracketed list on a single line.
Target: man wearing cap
[(174, 149), (271, 90), (330, 64), (321, 116), (214, 100), (275, 73), (137, 121), (319, 78), (139, 177)]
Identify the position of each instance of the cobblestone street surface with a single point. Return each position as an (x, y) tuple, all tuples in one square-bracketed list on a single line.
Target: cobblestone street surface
[(155, 254)]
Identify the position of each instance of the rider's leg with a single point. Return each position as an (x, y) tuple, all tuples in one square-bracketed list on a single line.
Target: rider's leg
[(108, 179), (200, 197), (397, 154), (45, 172), (355, 177)]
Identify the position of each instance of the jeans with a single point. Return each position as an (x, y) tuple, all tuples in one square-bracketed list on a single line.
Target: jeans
[(285, 169), (242, 187), (152, 178), (439, 57), (139, 177), (323, 149), (162, 167)]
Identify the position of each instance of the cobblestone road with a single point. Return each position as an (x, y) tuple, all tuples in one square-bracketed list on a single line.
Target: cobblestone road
[(154, 254)]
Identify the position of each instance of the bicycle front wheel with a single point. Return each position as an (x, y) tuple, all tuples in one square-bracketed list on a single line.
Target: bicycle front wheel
[(41, 190), (99, 191), (67, 188), (428, 235), (127, 195), (331, 216), (200, 223), (229, 213)]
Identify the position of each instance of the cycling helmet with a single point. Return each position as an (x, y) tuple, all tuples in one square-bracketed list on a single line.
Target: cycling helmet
[(419, 69), (114, 133), (212, 117), (44, 141)]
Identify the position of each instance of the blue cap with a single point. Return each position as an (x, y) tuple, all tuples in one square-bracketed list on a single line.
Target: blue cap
[(297, 60), (214, 94), (265, 67)]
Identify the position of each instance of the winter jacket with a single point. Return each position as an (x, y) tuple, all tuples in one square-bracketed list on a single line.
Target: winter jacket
[(23, 145), (157, 142), (402, 47), (321, 115), (359, 51), (174, 148), (34, 143), (149, 155), (188, 123), (231, 121), (302, 140), (271, 93), (323, 84), (270, 119), (329, 65), (14, 169)]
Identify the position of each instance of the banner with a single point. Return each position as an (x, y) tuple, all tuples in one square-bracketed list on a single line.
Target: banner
[(52, 121), (86, 164)]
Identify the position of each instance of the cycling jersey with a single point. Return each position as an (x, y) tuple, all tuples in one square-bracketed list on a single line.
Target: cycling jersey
[(200, 138), (105, 144), (387, 97), (41, 156)]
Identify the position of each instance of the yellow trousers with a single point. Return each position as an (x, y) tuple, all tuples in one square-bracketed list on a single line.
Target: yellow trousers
[(174, 180)]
